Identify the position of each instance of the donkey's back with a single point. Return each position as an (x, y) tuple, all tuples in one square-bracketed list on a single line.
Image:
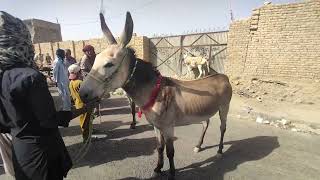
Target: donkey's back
[(203, 97)]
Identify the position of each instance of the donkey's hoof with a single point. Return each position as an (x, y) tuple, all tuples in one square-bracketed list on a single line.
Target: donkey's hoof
[(132, 126), (196, 149), (156, 174), (219, 155), (171, 177)]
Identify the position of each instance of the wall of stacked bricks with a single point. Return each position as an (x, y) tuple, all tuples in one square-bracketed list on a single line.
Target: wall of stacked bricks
[(43, 31), (278, 41), (139, 43)]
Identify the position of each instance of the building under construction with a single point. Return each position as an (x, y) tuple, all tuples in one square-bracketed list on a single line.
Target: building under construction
[(43, 31)]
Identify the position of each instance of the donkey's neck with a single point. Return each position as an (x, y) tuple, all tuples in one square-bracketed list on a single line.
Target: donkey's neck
[(142, 82)]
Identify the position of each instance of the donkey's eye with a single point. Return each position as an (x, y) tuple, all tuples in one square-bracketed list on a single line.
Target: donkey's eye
[(108, 65)]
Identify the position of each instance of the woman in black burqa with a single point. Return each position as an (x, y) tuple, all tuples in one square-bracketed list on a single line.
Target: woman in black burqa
[(27, 108)]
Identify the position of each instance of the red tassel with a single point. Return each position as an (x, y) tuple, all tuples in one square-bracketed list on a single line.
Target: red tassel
[(139, 113), (154, 93)]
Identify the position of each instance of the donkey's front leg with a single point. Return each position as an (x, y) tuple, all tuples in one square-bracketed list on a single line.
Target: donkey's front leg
[(170, 155), (133, 112), (160, 149)]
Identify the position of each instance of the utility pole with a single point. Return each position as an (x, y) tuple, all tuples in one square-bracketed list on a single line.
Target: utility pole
[(230, 9), (101, 7)]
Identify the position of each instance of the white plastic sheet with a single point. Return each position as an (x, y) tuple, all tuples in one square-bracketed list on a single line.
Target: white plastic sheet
[(6, 153)]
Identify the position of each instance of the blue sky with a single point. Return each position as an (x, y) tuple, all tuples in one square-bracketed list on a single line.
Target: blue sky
[(79, 18)]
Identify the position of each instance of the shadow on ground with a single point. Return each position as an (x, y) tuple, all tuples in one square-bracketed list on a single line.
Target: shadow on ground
[(103, 126), (114, 102), (239, 152), (117, 105), (110, 149), (114, 111), (107, 127), (1, 168)]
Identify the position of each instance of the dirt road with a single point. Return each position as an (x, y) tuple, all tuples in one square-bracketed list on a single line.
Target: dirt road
[(252, 151)]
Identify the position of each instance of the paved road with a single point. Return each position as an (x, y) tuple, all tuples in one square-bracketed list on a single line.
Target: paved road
[(252, 151)]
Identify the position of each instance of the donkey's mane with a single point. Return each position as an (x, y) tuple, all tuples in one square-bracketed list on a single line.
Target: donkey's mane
[(144, 72)]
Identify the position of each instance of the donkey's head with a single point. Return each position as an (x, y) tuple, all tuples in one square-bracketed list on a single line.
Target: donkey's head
[(111, 67)]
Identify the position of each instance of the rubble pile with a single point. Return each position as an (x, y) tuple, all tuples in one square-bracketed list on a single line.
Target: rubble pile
[(277, 91)]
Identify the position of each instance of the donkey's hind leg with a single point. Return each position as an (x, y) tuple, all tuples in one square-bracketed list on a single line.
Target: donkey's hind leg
[(168, 138), (205, 125), (160, 149), (223, 113)]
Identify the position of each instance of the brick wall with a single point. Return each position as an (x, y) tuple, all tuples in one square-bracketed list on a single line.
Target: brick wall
[(43, 31), (278, 41), (139, 43)]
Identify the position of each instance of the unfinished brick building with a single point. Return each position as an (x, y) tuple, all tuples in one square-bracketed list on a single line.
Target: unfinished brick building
[(43, 31)]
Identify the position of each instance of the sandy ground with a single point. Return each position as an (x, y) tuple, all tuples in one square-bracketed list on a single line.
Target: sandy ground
[(296, 102)]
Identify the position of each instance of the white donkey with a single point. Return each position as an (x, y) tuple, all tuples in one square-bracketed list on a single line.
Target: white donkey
[(196, 62), (164, 101)]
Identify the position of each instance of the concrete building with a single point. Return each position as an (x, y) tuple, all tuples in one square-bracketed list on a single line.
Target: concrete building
[(43, 31)]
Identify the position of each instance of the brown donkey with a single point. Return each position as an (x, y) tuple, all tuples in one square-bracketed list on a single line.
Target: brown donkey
[(164, 101)]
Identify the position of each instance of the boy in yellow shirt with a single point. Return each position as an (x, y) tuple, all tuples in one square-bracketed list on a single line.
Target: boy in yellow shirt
[(74, 86)]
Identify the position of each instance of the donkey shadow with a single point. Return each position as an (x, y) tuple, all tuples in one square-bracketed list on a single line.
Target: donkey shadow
[(240, 151)]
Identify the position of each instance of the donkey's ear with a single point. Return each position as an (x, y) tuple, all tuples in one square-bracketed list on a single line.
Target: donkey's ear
[(106, 31), (127, 32)]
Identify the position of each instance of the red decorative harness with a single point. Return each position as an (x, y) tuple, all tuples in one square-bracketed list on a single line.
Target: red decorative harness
[(154, 94)]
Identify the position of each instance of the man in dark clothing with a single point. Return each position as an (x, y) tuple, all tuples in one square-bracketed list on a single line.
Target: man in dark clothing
[(27, 110)]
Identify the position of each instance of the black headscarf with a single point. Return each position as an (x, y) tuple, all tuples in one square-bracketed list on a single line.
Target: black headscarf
[(60, 53), (15, 43)]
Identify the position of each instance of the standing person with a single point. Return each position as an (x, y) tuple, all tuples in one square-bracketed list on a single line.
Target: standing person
[(38, 58), (69, 59), (48, 60), (60, 76), (87, 60), (47, 66), (74, 86), (27, 111)]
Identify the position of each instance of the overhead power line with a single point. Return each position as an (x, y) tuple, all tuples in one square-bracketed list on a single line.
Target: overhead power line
[(76, 24), (96, 20)]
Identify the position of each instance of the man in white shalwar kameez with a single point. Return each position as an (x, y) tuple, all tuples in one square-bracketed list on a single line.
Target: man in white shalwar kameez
[(60, 75)]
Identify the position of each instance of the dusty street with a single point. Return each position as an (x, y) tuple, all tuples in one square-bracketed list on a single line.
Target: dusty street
[(252, 151)]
